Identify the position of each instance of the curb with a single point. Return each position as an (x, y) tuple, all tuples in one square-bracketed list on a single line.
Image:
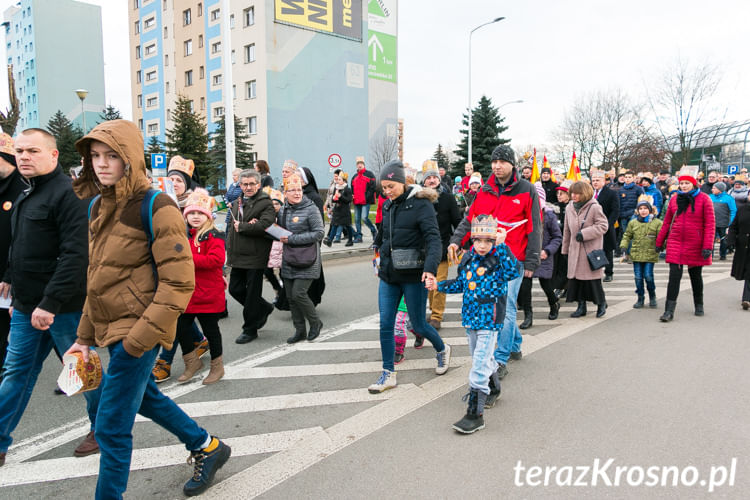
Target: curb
[(344, 254)]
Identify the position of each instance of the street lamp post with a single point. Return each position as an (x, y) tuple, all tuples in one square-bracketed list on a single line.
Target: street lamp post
[(82, 93), (471, 33), (519, 101)]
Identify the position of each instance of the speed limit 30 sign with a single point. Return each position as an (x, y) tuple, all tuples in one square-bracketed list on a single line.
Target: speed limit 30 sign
[(334, 160)]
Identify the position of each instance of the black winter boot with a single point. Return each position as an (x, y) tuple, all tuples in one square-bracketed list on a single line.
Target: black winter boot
[(668, 315), (699, 309), (581, 311), (494, 391), (639, 303), (528, 318), (652, 300), (554, 310), (473, 420), (298, 336)]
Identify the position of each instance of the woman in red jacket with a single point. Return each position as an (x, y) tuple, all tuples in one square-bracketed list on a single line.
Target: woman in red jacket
[(688, 234), (208, 297)]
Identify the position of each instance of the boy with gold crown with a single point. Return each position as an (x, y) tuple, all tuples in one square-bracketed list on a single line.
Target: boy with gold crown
[(483, 275), (640, 236)]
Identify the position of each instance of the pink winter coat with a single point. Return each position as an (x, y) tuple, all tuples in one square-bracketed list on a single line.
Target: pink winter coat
[(274, 258), (689, 233), (594, 227)]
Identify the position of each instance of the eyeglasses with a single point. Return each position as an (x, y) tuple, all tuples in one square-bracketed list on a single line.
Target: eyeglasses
[(248, 184)]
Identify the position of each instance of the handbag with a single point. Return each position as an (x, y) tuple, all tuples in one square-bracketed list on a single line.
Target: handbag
[(405, 259), (299, 256), (597, 258)]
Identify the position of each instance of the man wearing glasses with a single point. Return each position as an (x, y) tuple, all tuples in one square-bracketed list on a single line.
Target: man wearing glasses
[(247, 251)]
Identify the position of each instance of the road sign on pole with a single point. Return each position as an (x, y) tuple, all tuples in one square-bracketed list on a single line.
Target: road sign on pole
[(158, 165), (334, 160), (732, 169)]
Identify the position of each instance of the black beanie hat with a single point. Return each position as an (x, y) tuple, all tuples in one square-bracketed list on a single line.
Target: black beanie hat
[(9, 158), (504, 153), (393, 171), (647, 179), (188, 181)]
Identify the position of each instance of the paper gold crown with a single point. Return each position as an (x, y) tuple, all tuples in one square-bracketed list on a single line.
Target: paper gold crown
[(290, 164), (647, 198), (360, 159), (293, 182), (274, 194), (484, 226), (181, 165), (429, 165), (6, 145), (201, 201)]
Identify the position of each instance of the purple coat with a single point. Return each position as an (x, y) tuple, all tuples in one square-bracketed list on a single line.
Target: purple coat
[(551, 241)]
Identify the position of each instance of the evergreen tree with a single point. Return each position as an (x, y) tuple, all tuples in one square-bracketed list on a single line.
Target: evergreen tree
[(441, 158), (188, 137), (110, 113), (487, 125), (217, 154), (154, 146), (66, 134)]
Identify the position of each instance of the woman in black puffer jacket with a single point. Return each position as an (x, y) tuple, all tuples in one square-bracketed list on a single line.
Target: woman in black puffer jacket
[(409, 227)]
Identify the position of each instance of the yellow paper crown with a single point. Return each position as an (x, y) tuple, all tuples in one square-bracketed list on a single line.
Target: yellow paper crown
[(274, 194), (360, 159), (181, 165), (429, 165), (200, 200), (6, 145), (484, 226), (647, 198), (293, 182), (290, 164)]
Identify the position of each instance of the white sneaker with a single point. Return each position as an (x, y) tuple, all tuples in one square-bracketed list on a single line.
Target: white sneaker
[(443, 360), (386, 381)]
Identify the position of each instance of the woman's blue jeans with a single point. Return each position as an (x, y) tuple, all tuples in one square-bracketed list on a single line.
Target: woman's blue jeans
[(415, 296)]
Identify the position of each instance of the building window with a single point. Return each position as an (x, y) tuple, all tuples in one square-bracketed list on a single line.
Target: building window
[(152, 102), (192, 107), (215, 47), (234, 92), (231, 21), (215, 14), (151, 76), (250, 53), (164, 5), (136, 4), (137, 51), (166, 60), (166, 32), (216, 80), (249, 16), (153, 129), (188, 47), (252, 125), (200, 9), (137, 27), (201, 73), (250, 89), (149, 23), (188, 78), (138, 76), (218, 111), (186, 17), (140, 123), (139, 100), (166, 87), (203, 103), (151, 49), (169, 114), (200, 41), (232, 58)]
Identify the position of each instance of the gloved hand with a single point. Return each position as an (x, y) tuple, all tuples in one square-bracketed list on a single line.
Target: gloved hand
[(706, 254), (579, 237), (659, 249)]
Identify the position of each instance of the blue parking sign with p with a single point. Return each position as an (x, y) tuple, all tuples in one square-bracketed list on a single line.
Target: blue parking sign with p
[(732, 169), (158, 164)]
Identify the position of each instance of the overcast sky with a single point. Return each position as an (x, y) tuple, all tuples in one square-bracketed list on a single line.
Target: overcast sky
[(546, 52)]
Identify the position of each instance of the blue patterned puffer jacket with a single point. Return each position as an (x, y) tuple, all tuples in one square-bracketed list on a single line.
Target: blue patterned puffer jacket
[(484, 282)]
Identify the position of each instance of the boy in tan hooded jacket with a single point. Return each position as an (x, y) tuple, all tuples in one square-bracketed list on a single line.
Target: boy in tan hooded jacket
[(126, 311)]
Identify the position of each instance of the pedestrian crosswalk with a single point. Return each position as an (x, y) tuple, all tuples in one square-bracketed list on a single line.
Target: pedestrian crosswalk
[(347, 354)]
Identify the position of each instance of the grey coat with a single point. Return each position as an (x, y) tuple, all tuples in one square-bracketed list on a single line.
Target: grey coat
[(306, 225), (594, 228)]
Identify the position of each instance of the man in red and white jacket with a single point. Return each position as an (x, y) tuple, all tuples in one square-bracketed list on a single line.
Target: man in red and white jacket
[(514, 202), (363, 189)]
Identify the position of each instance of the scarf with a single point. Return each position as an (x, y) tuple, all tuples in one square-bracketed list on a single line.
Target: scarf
[(685, 200), (578, 205)]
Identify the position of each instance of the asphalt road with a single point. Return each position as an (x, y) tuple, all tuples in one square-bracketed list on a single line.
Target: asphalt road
[(301, 425)]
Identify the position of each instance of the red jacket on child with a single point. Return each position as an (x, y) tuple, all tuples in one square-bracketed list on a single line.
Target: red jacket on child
[(208, 259)]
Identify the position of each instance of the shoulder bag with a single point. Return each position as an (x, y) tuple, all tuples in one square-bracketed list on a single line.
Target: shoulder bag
[(299, 256), (597, 258), (405, 259)]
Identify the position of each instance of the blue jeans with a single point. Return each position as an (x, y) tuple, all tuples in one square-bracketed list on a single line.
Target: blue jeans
[(483, 364), (129, 388), (168, 354), (721, 233), (415, 296), (509, 337), (644, 271), (362, 213), (27, 350)]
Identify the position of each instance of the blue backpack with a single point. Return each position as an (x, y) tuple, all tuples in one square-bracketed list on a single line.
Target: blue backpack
[(147, 221)]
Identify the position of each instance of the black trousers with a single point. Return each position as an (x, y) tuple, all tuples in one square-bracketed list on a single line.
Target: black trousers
[(696, 282), (746, 291), (270, 275), (246, 286), (210, 326), (524, 293)]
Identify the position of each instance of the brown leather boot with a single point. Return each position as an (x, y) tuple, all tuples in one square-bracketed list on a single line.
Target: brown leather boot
[(88, 446), (216, 371), (193, 364)]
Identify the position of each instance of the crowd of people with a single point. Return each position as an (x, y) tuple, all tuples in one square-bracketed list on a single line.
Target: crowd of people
[(107, 261)]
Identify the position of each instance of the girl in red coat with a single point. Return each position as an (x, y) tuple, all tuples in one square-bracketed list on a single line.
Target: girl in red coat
[(207, 301), (688, 234)]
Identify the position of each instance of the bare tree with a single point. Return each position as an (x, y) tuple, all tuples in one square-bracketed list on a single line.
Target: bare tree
[(383, 149), (683, 101), (581, 129), (9, 119)]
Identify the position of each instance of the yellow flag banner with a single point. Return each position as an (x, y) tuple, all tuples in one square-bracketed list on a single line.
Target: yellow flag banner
[(574, 172), (534, 170)]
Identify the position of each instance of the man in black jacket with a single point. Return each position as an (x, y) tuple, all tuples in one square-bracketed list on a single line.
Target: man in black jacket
[(46, 277), (610, 203), (11, 186), (448, 218)]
